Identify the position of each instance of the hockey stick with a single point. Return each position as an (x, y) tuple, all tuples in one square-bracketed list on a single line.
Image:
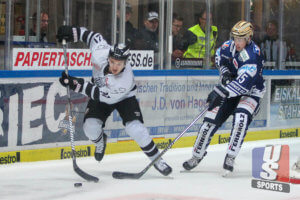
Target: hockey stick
[(64, 123), (81, 173), (124, 175)]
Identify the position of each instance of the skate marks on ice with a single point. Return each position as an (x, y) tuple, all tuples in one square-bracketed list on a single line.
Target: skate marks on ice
[(149, 196)]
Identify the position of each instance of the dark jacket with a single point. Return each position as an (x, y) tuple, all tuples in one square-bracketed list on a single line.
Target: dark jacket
[(148, 40), (130, 32)]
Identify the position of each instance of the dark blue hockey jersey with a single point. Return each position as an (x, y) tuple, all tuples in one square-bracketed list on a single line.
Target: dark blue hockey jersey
[(246, 66)]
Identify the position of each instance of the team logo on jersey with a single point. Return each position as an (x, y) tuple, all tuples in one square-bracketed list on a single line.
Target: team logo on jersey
[(256, 49), (250, 69), (244, 56), (270, 168), (100, 81), (235, 63), (225, 45), (138, 114), (218, 56)]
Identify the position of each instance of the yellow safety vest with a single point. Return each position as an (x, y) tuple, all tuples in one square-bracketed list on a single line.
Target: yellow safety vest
[(197, 50)]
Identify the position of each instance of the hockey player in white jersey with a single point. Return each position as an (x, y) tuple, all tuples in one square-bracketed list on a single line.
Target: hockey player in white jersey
[(242, 86), (112, 87)]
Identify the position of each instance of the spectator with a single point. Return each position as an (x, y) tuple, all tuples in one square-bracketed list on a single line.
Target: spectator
[(270, 43), (257, 36), (148, 36), (43, 26), (177, 36), (195, 38), (130, 31)]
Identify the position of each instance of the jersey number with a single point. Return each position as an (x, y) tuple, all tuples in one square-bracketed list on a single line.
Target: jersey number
[(242, 78)]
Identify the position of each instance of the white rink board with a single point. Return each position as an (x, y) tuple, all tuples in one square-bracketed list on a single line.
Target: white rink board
[(168, 103)]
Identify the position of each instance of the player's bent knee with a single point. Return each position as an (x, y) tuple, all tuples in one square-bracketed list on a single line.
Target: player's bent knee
[(242, 116), (138, 132), (92, 128)]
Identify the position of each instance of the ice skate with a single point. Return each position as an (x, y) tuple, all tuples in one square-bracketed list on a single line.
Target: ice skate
[(100, 148), (228, 165), (193, 162), (163, 167)]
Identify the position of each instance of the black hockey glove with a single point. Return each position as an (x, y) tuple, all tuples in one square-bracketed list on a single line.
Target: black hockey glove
[(216, 97), (69, 33), (74, 83), (227, 77)]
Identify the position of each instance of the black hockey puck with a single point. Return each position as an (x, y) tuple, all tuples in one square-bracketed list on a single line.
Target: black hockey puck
[(77, 184)]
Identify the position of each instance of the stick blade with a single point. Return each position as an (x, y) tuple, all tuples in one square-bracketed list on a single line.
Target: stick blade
[(85, 175), (125, 175)]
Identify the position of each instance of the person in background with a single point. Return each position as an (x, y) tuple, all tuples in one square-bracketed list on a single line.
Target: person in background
[(130, 31), (177, 36), (43, 26), (148, 35), (270, 45), (195, 38)]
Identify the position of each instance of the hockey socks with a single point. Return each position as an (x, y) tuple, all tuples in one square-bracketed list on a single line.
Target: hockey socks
[(100, 146)]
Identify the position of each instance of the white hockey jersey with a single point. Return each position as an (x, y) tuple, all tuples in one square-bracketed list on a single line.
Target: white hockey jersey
[(106, 87)]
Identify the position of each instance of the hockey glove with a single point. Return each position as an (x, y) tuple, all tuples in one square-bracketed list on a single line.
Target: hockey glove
[(216, 97), (69, 33), (74, 83), (227, 77)]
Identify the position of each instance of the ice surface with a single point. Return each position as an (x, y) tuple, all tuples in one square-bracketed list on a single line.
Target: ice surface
[(55, 179)]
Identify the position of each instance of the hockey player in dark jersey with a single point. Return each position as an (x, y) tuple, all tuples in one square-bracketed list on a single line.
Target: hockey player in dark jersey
[(112, 87), (240, 63)]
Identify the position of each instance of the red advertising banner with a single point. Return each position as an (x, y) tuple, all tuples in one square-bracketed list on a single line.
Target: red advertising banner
[(48, 59)]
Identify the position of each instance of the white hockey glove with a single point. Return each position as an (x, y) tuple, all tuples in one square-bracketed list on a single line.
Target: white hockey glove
[(74, 83)]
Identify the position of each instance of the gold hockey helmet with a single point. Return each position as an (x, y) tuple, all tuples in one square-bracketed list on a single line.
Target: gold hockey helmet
[(242, 29)]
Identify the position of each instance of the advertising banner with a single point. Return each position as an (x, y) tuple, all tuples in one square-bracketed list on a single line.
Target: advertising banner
[(50, 59), (78, 59), (285, 102), (33, 110)]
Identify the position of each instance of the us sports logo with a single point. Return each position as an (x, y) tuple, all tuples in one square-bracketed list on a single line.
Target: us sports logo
[(270, 168)]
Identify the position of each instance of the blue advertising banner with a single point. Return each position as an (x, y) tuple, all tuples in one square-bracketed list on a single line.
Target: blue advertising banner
[(32, 110), (285, 102)]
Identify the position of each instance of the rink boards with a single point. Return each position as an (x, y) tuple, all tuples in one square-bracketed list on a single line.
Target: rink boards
[(58, 153), (33, 108)]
